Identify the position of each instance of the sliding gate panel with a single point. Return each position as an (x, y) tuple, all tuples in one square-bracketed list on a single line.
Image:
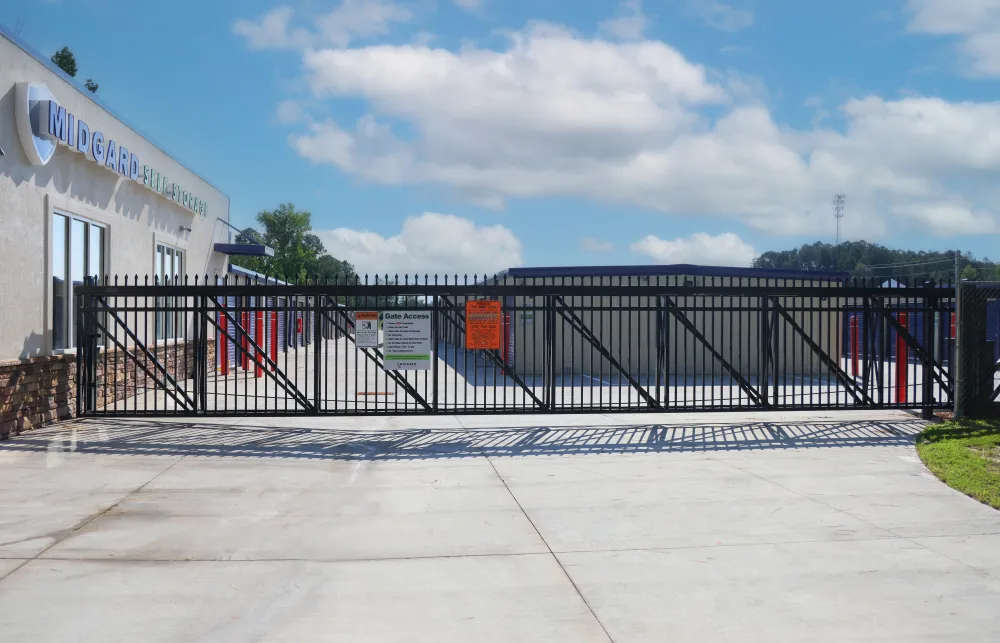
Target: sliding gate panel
[(575, 344)]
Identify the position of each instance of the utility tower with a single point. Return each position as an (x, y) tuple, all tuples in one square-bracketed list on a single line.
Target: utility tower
[(838, 212)]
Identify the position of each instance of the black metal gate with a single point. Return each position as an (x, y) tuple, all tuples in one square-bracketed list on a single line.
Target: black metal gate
[(601, 344), (979, 383)]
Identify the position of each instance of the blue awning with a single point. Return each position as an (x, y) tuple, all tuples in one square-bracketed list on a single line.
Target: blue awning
[(244, 249)]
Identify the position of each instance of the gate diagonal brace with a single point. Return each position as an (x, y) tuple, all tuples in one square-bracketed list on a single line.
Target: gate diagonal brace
[(846, 380), (270, 368), (678, 314), (915, 346), (505, 368), (377, 358), (568, 314), (187, 402)]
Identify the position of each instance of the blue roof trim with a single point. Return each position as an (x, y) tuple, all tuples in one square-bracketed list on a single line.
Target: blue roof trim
[(246, 272), (675, 269), (28, 49)]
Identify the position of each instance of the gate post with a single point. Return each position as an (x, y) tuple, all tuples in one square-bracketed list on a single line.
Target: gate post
[(930, 305), (87, 348), (78, 329), (958, 366)]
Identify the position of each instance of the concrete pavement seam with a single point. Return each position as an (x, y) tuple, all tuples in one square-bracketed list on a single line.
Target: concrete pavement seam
[(892, 534), (545, 542), (91, 519)]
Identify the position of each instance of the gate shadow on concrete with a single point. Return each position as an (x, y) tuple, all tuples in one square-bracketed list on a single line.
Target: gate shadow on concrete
[(136, 436)]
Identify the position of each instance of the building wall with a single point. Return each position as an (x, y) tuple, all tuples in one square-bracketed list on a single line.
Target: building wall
[(136, 217), (631, 336)]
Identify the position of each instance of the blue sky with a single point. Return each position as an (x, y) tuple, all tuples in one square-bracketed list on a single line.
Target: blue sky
[(476, 134)]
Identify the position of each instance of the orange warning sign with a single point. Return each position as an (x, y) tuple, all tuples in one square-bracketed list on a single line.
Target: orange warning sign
[(482, 325)]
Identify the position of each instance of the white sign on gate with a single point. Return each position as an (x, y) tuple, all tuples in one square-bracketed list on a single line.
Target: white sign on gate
[(366, 329), (407, 335)]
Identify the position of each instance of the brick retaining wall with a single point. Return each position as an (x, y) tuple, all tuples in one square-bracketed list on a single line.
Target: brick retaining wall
[(40, 390)]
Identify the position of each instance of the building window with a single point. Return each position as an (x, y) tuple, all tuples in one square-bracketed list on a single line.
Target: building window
[(169, 269), (78, 251)]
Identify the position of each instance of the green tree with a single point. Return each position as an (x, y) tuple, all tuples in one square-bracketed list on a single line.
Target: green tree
[(65, 60), (863, 259), (331, 269), (970, 273), (298, 253)]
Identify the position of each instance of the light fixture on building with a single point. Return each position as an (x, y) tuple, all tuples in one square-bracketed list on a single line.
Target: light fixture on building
[(184, 229)]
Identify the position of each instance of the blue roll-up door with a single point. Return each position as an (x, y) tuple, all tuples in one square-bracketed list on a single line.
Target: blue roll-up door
[(282, 326), (231, 332)]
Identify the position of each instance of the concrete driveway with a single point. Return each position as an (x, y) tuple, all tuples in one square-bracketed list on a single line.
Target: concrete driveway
[(703, 528)]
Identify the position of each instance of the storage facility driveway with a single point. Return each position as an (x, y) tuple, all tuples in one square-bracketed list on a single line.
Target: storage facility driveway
[(702, 528)]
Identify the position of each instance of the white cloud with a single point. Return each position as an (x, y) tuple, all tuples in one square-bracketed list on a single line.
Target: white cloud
[(349, 21), (430, 243), (629, 24), (360, 19), (725, 249), (976, 24), (271, 31), (289, 112), (720, 15), (553, 115), (596, 245)]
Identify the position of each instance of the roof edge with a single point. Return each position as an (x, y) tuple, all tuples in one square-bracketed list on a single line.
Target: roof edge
[(671, 269), (31, 51)]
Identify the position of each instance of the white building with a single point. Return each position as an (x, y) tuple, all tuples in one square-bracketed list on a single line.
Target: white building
[(82, 193)]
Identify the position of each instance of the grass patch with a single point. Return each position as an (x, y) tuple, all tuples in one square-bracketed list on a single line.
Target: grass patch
[(966, 456)]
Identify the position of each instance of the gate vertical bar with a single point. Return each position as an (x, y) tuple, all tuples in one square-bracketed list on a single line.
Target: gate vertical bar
[(764, 337), (202, 361), (194, 355), (437, 343), (773, 355), (319, 382), (930, 305)]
